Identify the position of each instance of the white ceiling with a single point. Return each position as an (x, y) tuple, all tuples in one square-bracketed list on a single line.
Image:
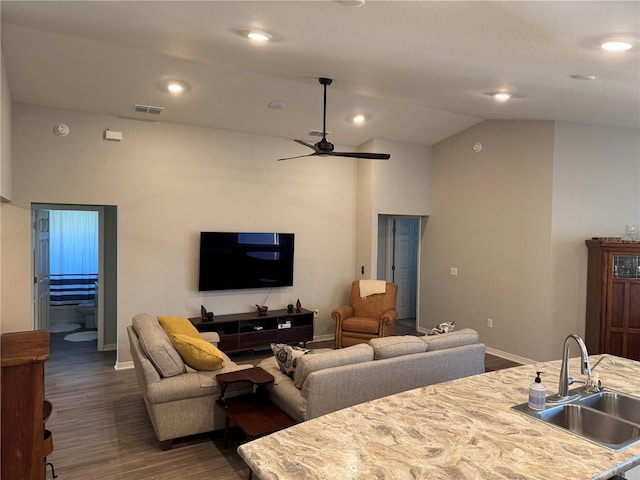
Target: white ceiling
[(421, 69)]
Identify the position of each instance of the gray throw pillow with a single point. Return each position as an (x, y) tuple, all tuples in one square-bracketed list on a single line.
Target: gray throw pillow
[(445, 327), (287, 357)]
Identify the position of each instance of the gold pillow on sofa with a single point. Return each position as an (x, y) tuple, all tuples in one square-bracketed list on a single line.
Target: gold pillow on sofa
[(179, 325), (197, 353)]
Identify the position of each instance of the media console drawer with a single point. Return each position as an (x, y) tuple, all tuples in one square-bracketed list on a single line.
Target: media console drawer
[(248, 331)]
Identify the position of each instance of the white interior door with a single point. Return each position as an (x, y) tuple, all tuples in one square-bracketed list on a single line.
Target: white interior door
[(41, 268)]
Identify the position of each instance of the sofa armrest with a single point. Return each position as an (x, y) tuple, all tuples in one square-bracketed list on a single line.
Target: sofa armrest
[(341, 313), (211, 337)]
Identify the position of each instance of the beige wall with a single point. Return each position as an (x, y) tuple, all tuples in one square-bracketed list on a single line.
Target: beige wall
[(5, 133), (170, 182), (596, 194), (513, 219), (5, 161), (491, 218), (399, 186)]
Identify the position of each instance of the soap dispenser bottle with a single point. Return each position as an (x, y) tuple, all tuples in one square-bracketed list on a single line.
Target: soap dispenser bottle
[(537, 394)]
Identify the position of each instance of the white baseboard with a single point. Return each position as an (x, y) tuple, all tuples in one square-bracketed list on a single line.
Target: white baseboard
[(123, 365), (510, 356)]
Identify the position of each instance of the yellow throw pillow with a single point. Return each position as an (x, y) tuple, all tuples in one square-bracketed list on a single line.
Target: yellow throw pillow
[(197, 353), (183, 326)]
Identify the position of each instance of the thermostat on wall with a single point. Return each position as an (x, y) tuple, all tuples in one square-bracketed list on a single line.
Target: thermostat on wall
[(112, 135)]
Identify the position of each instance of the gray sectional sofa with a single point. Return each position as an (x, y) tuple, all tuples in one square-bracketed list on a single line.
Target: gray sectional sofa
[(180, 401), (326, 381)]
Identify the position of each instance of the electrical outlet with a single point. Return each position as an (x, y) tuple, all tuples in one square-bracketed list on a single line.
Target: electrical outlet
[(489, 323), (453, 271)]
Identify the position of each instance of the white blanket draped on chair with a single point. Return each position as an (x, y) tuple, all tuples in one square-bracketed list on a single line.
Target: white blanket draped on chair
[(371, 287)]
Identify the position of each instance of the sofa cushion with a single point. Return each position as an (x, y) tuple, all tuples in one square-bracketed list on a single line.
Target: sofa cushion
[(395, 346), (308, 364), (287, 357), (211, 337), (179, 325), (466, 336), (197, 353), (157, 347)]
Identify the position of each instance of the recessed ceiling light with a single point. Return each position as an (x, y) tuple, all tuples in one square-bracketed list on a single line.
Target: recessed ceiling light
[(359, 118), (175, 87), (583, 77), (258, 35), (351, 3), (616, 45), (502, 96)]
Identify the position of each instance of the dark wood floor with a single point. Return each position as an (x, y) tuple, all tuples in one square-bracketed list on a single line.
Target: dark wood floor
[(101, 429)]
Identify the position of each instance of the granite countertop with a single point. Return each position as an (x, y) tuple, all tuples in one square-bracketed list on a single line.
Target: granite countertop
[(462, 429)]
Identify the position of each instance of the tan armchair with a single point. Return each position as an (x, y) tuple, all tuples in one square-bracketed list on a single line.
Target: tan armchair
[(365, 318)]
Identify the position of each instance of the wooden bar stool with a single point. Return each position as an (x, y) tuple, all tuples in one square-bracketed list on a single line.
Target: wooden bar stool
[(48, 439)]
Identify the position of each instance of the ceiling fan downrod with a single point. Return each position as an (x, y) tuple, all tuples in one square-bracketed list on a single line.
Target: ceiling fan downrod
[(324, 144)]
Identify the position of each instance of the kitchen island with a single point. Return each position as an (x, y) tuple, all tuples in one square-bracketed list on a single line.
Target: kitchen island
[(462, 429)]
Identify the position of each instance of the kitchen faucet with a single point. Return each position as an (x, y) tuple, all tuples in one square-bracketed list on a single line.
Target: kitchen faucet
[(585, 368)]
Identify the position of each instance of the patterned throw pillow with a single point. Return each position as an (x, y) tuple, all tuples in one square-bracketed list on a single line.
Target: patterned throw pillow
[(287, 357), (445, 327)]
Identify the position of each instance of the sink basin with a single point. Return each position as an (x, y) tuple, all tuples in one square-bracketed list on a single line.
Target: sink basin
[(609, 419), (599, 427), (616, 404)]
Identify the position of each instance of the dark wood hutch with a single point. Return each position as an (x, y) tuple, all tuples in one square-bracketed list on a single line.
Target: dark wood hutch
[(613, 297)]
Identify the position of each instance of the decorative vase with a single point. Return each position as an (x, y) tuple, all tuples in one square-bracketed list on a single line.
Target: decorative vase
[(298, 306)]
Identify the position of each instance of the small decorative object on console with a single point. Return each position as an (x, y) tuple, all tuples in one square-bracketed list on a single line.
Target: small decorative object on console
[(298, 306), (290, 308), (209, 316), (262, 310), (203, 312)]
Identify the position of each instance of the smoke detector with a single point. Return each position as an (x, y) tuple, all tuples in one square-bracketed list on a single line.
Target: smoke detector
[(62, 130)]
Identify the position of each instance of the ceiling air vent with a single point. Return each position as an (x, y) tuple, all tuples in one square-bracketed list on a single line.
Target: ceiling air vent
[(151, 110), (316, 133)]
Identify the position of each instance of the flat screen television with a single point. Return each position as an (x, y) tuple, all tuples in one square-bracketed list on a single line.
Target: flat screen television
[(237, 260)]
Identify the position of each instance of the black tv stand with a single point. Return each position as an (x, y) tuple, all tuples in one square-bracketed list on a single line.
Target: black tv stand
[(249, 331)]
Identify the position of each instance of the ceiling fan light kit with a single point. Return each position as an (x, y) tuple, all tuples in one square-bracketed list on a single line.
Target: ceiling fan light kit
[(325, 148)]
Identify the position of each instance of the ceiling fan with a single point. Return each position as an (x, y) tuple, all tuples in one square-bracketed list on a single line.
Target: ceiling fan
[(325, 148)]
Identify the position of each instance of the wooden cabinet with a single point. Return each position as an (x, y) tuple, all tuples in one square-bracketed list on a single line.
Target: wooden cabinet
[(249, 331), (613, 297), (23, 355)]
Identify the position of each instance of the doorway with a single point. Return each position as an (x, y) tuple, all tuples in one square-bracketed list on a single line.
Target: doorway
[(398, 249), (75, 271)]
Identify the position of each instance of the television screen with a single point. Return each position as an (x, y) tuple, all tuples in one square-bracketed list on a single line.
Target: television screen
[(236, 260)]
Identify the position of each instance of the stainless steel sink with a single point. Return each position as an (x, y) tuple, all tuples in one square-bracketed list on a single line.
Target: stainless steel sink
[(599, 427), (609, 419), (615, 404)]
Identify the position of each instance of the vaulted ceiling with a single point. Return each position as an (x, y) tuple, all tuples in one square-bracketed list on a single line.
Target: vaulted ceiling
[(421, 70)]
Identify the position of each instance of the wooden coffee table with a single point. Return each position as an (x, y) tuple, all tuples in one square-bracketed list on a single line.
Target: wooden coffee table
[(252, 412)]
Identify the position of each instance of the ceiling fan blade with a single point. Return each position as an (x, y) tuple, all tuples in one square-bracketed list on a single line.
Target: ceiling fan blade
[(306, 144), (365, 155), (299, 156), (325, 148)]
